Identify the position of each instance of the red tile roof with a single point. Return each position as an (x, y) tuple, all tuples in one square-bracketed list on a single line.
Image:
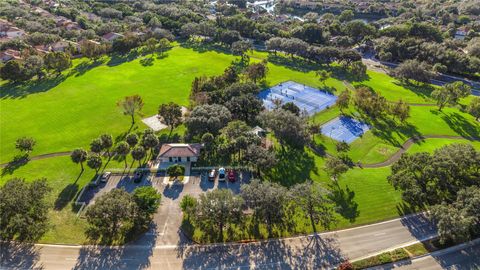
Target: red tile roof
[(180, 150)]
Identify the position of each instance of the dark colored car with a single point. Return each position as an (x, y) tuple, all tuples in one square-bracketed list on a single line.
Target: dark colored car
[(137, 177), (231, 176), (221, 174)]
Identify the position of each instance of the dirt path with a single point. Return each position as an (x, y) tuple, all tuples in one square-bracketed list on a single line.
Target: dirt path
[(44, 156), (407, 145)]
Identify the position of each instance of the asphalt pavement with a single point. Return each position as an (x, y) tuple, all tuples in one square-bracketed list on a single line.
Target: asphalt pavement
[(320, 251)]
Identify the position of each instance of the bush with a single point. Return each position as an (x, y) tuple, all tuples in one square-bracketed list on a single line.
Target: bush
[(176, 170)]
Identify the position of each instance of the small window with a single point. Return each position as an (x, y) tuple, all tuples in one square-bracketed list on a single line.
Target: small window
[(179, 159), (170, 159), (188, 159)]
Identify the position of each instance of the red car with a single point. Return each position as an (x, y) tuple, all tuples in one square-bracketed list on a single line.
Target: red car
[(231, 176)]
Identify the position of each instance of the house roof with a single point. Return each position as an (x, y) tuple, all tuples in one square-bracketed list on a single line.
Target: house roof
[(180, 150), (111, 36)]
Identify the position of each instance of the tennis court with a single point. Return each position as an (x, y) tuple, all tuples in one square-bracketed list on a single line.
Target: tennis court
[(307, 98), (345, 129)]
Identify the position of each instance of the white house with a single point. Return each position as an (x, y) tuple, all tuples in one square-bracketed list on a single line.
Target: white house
[(179, 152)]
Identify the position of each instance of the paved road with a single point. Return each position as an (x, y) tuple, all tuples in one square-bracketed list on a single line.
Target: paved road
[(304, 252), (465, 256)]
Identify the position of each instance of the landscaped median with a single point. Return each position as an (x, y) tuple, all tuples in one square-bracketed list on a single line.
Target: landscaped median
[(408, 252)]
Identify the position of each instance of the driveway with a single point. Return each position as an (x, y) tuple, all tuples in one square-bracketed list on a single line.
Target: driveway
[(168, 218)]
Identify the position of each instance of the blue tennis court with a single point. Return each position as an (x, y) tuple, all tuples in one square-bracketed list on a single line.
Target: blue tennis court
[(344, 129), (307, 98)]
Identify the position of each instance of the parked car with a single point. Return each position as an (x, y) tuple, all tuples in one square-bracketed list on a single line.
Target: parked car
[(231, 176), (137, 177), (211, 175), (105, 176), (221, 174)]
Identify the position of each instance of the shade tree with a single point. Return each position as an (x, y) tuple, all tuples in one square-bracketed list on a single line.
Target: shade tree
[(131, 106), (314, 202), (122, 149), (171, 114), (474, 108), (217, 210), (207, 118), (25, 144), (451, 93), (24, 209), (335, 167), (268, 201), (288, 128)]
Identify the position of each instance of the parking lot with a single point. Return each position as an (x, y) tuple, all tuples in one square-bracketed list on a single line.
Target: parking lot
[(168, 218)]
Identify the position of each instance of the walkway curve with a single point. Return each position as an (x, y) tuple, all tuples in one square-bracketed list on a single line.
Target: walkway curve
[(44, 156), (407, 144)]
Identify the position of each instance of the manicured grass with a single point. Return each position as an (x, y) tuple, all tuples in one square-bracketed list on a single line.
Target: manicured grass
[(385, 139), (391, 89), (71, 113), (430, 145), (62, 176), (68, 112)]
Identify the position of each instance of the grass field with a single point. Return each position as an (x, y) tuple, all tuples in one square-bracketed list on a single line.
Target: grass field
[(70, 111), (82, 107)]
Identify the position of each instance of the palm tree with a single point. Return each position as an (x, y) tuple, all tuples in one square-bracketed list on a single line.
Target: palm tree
[(79, 156), (138, 153), (122, 149)]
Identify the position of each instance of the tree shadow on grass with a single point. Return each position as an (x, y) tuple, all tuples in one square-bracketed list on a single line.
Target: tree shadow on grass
[(422, 90), (461, 125), (202, 47), (294, 166), (147, 61), (297, 64), (68, 193), (19, 256), (341, 73), (404, 208), (85, 66), (118, 59), (17, 162), (386, 129), (65, 196), (22, 90), (345, 203)]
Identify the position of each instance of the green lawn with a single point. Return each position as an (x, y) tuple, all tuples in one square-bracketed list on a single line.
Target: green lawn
[(70, 111), (62, 174), (82, 107), (383, 141)]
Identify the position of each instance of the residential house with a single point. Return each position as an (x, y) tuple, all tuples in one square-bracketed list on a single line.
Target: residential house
[(461, 33), (110, 37), (65, 45), (11, 32), (179, 153), (42, 49), (9, 54)]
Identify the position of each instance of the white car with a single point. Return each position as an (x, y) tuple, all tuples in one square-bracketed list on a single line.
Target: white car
[(105, 177), (211, 175), (221, 174)]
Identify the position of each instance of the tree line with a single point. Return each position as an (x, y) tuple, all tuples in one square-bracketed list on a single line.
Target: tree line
[(445, 182), (262, 203)]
